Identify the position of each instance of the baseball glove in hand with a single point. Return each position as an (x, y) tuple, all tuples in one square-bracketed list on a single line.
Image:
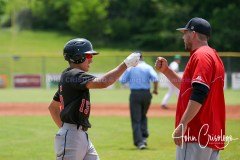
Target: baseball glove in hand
[(132, 60)]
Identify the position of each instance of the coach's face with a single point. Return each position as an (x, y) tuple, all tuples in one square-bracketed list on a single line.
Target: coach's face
[(187, 38)]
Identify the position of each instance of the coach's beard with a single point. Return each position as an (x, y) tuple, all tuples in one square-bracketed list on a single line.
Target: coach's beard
[(188, 47)]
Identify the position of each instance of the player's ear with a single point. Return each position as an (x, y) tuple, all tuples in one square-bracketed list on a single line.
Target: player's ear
[(194, 34)]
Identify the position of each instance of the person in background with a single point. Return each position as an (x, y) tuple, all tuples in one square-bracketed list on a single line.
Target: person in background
[(138, 79), (174, 65)]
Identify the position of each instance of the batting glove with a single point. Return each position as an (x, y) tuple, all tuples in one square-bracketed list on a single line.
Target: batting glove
[(132, 60)]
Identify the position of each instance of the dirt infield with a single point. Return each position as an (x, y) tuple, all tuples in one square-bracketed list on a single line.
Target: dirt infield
[(7, 109)]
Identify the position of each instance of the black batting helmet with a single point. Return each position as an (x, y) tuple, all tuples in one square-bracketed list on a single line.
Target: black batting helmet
[(74, 50)]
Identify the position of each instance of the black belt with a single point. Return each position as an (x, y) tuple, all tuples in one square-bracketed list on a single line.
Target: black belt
[(82, 127), (78, 126), (137, 90)]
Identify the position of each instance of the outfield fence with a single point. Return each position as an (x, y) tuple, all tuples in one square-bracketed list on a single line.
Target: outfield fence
[(11, 67)]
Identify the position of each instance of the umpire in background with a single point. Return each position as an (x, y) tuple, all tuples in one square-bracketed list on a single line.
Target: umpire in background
[(139, 79)]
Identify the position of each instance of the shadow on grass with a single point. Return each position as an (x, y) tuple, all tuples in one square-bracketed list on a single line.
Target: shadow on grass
[(136, 149)]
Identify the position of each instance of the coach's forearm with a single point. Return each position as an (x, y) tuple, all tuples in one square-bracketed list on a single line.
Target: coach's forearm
[(191, 111), (109, 78), (173, 78)]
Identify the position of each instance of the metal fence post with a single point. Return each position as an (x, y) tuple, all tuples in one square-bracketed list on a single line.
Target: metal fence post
[(11, 66), (229, 72), (43, 61)]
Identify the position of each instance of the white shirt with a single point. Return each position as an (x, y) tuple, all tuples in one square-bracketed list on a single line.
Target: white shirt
[(174, 66)]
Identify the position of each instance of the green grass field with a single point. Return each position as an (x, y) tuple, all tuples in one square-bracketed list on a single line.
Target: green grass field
[(97, 96), (40, 43), (40, 52), (32, 138)]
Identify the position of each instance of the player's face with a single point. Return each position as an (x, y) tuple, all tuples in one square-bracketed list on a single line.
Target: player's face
[(187, 38), (86, 64)]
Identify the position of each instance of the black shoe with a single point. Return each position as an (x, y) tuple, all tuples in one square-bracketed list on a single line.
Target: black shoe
[(145, 141), (141, 146), (164, 107)]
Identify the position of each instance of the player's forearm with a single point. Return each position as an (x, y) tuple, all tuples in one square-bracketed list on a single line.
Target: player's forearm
[(173, 78), (56, 117), (191, 111), (55, 112), (110, 77)]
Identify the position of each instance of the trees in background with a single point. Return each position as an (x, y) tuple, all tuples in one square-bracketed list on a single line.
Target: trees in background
[(142, 24), (88, 18), (50, 14)]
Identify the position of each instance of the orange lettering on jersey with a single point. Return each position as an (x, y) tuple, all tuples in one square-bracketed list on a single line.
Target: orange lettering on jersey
[(86, 110), (85, 106), (82, 105)]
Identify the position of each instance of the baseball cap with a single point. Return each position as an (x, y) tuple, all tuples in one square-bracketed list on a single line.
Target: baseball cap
[(199, 25), (177, 56)]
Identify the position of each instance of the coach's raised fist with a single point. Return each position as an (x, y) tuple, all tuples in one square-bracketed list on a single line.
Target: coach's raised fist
[(161, 64), (132, 60)]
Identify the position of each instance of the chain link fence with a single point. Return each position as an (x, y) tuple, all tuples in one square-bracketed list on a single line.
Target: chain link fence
[(17, 65)]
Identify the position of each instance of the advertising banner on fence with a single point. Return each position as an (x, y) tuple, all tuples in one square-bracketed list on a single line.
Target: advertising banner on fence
[(27, 81), (3, 81), (100, 75), (52, 80), (163, 80), (236, 81)]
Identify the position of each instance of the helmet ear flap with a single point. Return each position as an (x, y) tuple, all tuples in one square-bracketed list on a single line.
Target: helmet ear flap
[(77, 59)]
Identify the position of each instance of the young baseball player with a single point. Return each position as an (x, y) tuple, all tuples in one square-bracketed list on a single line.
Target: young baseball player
[(200, 114), (70, 107)]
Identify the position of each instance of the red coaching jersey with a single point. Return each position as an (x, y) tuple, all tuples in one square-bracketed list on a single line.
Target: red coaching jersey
[(208, 126)]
